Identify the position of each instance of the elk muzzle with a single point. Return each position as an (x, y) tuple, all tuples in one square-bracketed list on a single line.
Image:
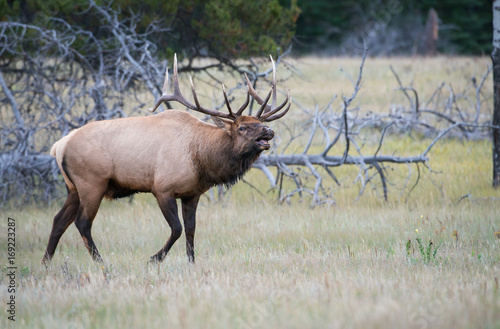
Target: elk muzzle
[(264, 138)]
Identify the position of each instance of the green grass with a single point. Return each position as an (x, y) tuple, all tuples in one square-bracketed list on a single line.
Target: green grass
[(263, 265)]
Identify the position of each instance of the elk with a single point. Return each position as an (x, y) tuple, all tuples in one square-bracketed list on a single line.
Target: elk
[(173, 155)]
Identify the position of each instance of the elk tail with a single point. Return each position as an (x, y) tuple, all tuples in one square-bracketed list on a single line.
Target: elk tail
[(58, 150)]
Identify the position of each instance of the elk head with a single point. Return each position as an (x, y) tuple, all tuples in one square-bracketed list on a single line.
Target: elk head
[(248, 132)]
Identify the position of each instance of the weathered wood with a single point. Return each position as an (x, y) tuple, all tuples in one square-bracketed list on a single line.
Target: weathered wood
[(431, 33), (495, 56)]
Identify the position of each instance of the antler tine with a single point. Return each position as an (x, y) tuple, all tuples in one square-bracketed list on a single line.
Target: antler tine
[(264, 105), (268, 114), (279, 115), (227, 101), (165, 84), (273, 103), (194, 93), (165, 89), (177, 96), (244, 106), (176, 76), (253, 93), (202, 109)]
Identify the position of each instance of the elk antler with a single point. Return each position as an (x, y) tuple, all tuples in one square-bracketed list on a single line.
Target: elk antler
[(177, 96), (266, 112)]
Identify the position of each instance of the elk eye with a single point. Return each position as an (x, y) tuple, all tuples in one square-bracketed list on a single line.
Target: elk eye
[(241, 129)]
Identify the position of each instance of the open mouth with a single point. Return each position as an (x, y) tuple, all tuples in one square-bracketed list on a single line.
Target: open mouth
[(263, 141)]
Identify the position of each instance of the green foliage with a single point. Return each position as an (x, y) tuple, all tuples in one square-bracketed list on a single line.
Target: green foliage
[(464, 25), (237, 28), (324, 19), (228, 29), (245, 33), (427, 252), (408, 248)]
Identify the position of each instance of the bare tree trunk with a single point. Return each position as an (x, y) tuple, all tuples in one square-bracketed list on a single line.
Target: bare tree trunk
[(431, 33), (495, 56)]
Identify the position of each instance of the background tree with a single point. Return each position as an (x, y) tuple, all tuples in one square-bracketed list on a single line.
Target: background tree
[(495, 56), (392, 26), (223, 30)]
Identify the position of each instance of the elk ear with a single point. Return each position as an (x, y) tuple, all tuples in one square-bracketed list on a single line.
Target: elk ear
[(222, 123)]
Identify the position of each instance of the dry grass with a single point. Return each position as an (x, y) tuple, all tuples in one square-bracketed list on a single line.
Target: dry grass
[(323, 77), (260, 265)]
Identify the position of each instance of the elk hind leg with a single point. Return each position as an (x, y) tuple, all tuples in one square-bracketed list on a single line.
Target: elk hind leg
[(62, 221), (168, 206), (89, 205)]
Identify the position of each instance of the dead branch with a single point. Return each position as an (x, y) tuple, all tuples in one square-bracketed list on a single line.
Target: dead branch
[(436, 123), (60, 87)]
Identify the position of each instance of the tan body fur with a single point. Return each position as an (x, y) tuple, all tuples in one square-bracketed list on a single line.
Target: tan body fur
[(143, 154)]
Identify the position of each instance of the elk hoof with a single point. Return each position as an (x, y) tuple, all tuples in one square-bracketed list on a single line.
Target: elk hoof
[(154, 260)]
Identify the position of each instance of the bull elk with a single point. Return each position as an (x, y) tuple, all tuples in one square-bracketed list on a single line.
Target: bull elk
[(173, 155)]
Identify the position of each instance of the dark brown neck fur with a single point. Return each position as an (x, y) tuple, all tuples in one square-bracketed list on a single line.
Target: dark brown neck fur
[(221, 163)]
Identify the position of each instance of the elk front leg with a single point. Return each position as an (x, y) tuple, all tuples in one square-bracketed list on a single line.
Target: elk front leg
[(189, 215), (168, 207)]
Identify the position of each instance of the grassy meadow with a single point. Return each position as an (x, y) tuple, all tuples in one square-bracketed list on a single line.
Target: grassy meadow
[(264, 265)]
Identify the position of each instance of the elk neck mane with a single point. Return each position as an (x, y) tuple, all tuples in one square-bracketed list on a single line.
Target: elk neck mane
[(218, 161)]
